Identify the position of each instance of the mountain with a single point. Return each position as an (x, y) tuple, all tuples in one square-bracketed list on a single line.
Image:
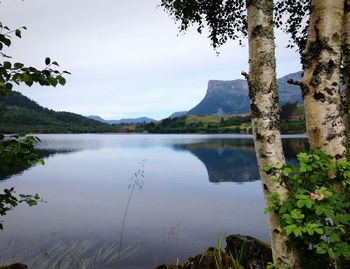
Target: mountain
[(178, 114), (140, 120), (97, 118), (226, 160), (19, 113), (231, 97)]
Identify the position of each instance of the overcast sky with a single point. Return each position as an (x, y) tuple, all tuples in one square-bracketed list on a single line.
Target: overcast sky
[(126, 57)]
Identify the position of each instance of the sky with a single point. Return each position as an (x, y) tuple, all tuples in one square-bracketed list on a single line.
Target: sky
[(127, 57)]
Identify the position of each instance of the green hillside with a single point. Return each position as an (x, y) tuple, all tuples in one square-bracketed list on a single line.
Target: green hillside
[(200, 124), (19, 113), (292, 121)]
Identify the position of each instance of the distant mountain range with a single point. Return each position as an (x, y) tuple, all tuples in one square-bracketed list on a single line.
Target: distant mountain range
[(140, 120), (231, 97), (19, 113)]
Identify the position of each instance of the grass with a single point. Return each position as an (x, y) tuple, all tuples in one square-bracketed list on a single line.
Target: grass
[(234, 262)]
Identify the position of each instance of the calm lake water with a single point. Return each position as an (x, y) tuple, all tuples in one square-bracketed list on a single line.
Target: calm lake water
[(194, 186)]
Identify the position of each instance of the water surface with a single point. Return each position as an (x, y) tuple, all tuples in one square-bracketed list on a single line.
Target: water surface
[(193, 187)]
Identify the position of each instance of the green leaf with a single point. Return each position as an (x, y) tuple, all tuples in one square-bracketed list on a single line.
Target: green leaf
[(300, 203), (290, 228), (18, 65), (18, 33), (31, 202), (61, 80), (297, 232), (310, 231), (331, 253), (296, 214), (287, 169), (319, 210), (320, 231), (308, 203), (321, 250), (334, 237), (7, 65), (53, 81), (7, 42)]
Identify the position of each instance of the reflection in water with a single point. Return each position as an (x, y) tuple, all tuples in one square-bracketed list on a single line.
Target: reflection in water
[(42, 153), (178, 212), (235, 160)]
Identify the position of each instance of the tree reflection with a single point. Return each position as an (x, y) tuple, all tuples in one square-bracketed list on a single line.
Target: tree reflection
[(234, 160)]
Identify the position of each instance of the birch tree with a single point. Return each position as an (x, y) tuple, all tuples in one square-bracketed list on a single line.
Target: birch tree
[(321, 81), (226, 19), (265, 116), (346, 64)]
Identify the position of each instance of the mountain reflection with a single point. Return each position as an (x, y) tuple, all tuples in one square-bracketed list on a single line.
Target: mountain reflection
[(234, 160), (42, 153)]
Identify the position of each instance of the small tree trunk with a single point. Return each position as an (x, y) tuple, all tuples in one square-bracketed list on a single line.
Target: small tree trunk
[(321, 82), (346, 63), (265, 117)]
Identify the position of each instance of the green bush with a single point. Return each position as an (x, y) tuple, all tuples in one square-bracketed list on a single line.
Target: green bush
[(316, 214)]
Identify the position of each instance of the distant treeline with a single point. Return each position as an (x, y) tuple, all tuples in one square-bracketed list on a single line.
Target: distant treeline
[(292, 121), (18, 113), (198, 124)]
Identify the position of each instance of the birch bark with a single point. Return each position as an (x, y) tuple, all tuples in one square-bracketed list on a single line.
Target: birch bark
[(265, 117), (346, 63), (321, 82)]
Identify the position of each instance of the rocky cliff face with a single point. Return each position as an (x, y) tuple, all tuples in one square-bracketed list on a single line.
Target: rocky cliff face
[(231, 97)]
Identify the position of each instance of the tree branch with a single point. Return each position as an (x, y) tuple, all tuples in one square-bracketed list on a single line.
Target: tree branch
[(295, 82), (245, 74)]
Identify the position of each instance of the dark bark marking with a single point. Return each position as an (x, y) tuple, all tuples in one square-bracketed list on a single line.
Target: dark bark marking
[(329, 91), (276, 231), (271, 139), (259, 137), (319, 97), (340, 156), (256, 113), (314, 49), (261, 31), (265, 187), (335, 135), (330, 67)]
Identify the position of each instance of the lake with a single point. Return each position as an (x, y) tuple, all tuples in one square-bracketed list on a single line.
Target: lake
[(135, 201)]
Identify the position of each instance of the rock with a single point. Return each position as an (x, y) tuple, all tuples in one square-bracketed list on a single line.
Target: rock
[(249, 251), (14, 266), (207, 260)]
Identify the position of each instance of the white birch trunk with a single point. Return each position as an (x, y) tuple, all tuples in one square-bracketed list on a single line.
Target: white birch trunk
[(265, 117), (321, 82), (346, 62)]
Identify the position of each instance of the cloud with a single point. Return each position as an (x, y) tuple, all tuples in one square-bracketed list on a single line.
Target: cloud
[(126, 57)]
